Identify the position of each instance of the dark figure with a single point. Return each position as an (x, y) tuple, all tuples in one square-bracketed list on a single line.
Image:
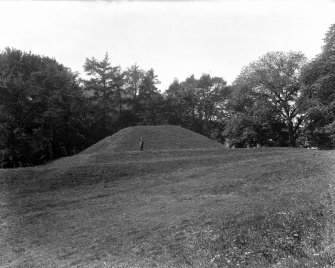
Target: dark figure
[(141, 144)]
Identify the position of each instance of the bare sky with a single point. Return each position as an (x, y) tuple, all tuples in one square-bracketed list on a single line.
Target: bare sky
[(176, 38)]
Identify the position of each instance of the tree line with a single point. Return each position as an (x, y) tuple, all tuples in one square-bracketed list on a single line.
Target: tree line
[(47, 111)]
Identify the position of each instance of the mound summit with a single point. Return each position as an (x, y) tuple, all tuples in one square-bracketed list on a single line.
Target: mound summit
[(155, 138)]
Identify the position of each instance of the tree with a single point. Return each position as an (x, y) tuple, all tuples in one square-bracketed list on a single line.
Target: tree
[(134, 77), (319, 84), (150, 100), (198, 104), (212, 94), (56, 108), (105, 90), (40, 103), (175, 104), (274, 82)]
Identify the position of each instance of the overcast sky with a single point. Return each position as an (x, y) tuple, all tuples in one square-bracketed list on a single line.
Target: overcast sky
[(176, 38)]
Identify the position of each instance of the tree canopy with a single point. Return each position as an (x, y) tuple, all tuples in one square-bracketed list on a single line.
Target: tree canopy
[(319, 91), (268, 92), (47, 111)]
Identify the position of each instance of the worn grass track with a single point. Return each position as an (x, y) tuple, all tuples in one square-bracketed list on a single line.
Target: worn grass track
[(270, 207)]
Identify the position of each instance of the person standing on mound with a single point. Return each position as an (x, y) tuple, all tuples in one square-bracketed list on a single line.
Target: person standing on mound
[(141, 144)]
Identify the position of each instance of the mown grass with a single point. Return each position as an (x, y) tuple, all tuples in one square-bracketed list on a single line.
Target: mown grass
[(267, 207)]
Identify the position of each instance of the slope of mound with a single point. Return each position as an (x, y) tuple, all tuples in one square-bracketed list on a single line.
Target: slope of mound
[(155, 138)]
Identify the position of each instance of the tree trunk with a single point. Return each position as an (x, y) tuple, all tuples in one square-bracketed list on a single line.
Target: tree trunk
[(12, 152), (291, 135)]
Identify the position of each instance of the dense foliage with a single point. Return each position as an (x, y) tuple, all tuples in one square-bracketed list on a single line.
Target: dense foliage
[(319, 92), (266, 101), (47, 111)]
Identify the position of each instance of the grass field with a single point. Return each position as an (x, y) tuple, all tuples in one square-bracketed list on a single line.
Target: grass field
[(198, 206)]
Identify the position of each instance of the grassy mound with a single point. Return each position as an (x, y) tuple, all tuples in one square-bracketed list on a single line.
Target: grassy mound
[(160, 141), (155, 138)]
